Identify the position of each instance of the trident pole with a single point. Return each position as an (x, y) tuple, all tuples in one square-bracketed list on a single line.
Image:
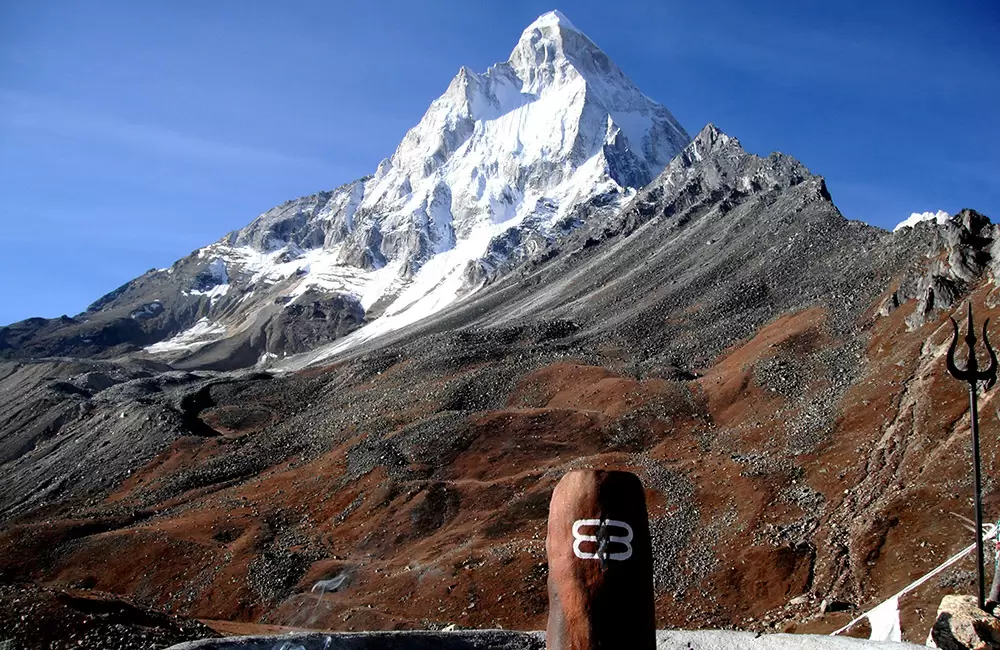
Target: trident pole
[(980, 561), (972, 375)]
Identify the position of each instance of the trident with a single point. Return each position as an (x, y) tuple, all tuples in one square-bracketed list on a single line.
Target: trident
[(972, 375)]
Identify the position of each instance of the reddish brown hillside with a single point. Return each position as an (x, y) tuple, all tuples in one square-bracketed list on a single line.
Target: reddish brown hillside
[(743, 524)]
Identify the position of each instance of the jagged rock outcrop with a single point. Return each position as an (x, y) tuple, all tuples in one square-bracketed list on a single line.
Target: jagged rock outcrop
[(957, 252)]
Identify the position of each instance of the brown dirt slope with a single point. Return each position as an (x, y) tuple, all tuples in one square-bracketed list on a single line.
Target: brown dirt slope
[(427, 532)]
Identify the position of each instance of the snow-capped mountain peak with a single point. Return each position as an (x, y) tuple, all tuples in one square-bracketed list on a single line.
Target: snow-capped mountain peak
[(546, 48), (530, 137), (501, 162), (553, 18)]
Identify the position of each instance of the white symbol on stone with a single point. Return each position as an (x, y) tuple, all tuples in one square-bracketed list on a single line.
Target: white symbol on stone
[(602, 539)]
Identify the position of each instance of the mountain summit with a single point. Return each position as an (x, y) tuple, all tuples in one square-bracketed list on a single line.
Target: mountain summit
[(499, 166)]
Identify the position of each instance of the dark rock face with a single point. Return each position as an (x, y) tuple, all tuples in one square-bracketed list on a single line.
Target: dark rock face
[(600, 564), (141, 312), (312, 320), (43, 337), (285, 328), (296, 222), (364, 247), (956, 254)]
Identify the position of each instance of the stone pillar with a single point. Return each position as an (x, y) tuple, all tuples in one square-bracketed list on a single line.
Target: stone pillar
[(600, 564)]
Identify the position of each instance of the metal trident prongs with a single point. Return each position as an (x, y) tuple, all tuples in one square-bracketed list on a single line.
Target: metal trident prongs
[(972, 375)]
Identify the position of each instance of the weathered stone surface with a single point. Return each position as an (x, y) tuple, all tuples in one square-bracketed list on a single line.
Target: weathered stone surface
[(961, 625), (600, 564), (417, 640), (504, 640)]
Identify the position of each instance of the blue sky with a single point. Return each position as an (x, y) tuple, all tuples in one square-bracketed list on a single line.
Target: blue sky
[(132, 133)]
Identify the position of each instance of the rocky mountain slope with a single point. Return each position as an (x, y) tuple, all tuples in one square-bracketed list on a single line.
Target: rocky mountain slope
[(503, 163), (772, 371)]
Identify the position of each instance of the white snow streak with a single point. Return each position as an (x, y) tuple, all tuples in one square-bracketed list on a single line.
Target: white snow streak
[(199, 335)]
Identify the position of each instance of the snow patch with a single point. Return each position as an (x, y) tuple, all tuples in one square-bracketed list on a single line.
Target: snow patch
[(439, 284), (264, 359), (315, 268), (199, 335), (214, 293), (213, 282), (940, 217)]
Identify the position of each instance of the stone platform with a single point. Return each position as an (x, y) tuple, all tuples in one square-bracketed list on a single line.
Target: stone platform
[(507, 640)]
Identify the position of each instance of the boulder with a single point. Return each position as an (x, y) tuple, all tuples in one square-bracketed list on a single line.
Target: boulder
[(600, 564), (961, 625)]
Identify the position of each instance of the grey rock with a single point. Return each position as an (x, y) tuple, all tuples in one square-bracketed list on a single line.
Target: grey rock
[(501, 640), (961, 625)]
